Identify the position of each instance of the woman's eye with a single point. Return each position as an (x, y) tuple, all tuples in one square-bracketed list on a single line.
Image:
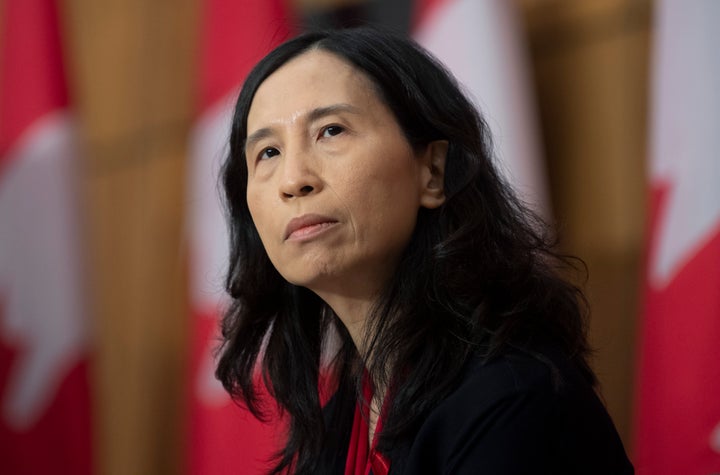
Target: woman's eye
[(332, 130), (268, 153)]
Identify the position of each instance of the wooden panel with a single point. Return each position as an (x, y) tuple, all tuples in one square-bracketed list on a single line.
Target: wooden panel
[(590, 61), (131, 69)]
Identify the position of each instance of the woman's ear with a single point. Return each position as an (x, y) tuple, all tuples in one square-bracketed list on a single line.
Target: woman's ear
[(432, 174)]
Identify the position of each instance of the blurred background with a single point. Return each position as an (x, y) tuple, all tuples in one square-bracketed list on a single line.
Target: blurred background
[(113, 119)]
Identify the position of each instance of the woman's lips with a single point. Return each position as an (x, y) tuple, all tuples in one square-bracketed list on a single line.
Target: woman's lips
[(307, 225)]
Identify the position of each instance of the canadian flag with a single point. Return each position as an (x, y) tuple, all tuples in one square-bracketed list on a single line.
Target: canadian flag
[(481, 43), (44, 392), (224, 438), (678, 405)]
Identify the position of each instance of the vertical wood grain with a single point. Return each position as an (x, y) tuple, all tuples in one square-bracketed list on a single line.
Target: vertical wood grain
[(132, 64), (590, 62)]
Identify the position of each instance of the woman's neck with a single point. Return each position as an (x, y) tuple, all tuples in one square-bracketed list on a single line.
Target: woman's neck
[(353, 312)]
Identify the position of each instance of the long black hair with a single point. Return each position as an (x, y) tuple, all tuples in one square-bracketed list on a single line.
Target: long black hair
[(478, 277)]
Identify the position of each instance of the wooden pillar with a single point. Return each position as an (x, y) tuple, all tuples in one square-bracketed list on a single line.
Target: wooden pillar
[(590, 63), (130, 66)]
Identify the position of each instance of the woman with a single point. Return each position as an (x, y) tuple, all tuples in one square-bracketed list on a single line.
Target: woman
[(363, 203)]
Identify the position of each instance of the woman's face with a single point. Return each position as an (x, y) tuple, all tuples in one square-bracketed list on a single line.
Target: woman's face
[(333, 186)]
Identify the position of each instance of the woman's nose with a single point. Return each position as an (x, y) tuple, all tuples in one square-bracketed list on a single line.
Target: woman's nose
[(299, 176)]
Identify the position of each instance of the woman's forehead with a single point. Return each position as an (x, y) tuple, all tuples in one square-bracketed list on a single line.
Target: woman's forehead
[(315, 79)]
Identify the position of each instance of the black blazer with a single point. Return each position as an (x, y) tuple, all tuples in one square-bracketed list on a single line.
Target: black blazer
[(514, 415)]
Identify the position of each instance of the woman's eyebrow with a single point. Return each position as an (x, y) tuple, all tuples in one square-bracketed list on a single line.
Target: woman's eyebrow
[(257, 136), (321, 112), (311, 116)]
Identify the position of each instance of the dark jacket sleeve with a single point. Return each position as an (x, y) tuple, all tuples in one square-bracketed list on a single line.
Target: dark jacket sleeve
[(516, 416)]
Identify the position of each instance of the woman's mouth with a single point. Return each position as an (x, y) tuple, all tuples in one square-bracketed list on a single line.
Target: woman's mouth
[(308, 226)]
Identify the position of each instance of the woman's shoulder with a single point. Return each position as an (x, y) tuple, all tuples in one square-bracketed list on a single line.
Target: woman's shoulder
[(520, 412), (518, 372), (535, 385)]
